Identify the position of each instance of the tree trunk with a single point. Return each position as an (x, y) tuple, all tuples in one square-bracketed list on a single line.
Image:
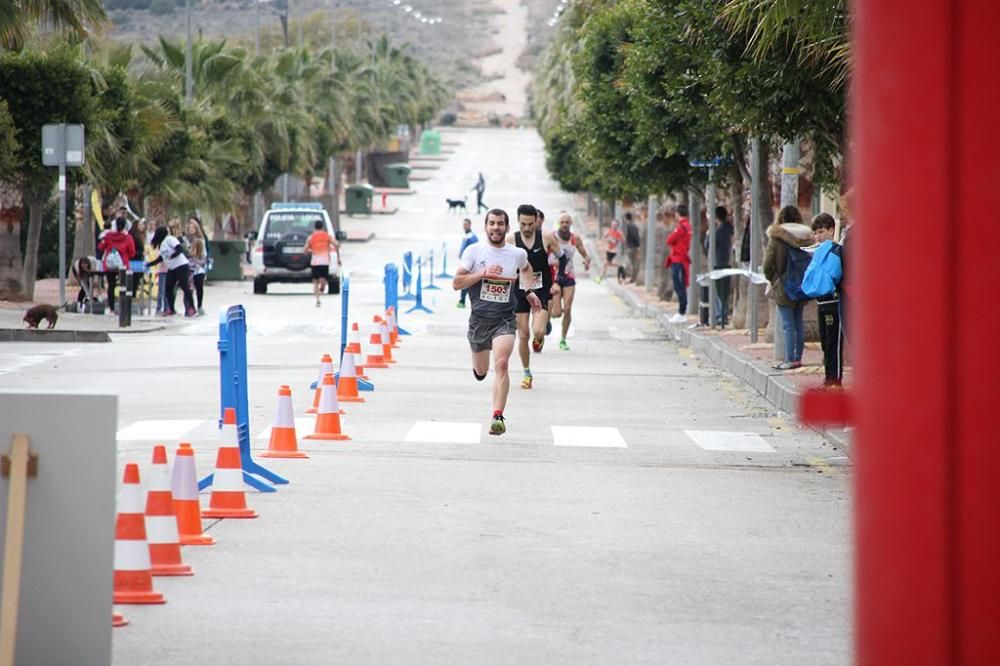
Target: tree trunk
[(11, 265), (244, 213), (36, 209)]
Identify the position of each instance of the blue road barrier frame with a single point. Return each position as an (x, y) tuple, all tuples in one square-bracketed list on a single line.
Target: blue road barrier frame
[(430, 273), (444, 274), (407, 277), (391, 281), (232, 347), (420, 294), (345, 297)]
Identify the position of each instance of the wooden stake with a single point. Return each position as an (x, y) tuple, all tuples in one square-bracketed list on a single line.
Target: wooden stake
[(18, 466)]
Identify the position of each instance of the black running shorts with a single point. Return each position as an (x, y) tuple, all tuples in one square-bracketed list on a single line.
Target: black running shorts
[(320, 272), (521, 303)]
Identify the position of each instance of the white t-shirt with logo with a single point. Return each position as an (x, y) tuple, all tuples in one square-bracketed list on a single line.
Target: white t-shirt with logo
[(493, 297)]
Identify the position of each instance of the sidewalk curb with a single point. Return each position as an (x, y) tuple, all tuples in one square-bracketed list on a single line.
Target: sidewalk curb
[(769, 383), (45, 335)]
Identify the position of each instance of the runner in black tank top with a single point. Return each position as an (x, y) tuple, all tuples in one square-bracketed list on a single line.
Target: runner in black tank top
[(538, 245)]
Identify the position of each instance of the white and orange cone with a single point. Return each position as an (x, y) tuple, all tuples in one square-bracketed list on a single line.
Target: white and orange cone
[(187, 506), (229, 499), (325, 366), (373, 348), (347, 384), (284, 443), (118, 620), (386, 343), (390, 316), (328, 418), (353, 340), (133, 578), (161, 521)]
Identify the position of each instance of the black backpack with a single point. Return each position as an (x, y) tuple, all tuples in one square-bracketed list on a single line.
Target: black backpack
[(795, 271)]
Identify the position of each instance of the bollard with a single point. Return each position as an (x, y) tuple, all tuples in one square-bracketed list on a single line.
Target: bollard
[(419, 305), (444, 262), (124, 299), (430, 273)]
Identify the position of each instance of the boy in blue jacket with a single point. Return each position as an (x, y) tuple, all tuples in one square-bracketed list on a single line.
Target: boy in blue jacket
[(830, 334)]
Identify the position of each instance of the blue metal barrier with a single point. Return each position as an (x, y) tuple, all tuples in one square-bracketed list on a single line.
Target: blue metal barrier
[(233, 383), (420, 293), (345, 297), (444, 262), (407, 277), (430, 274), (392, 294)]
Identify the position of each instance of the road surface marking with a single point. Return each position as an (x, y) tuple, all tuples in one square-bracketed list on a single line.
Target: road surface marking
[(592, 436), (303, 426), (443, 432), (158, 430), (719, 440)]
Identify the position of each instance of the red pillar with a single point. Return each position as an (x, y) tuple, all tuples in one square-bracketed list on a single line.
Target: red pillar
[(926, 330)]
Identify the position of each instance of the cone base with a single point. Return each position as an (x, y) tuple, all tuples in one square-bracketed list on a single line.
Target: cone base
[(312, 410), (350, 399), (328, 437), (282, 454), (118, 620), (138, 598), (375, 365), (229, 513), (172, 570), (197, 540)]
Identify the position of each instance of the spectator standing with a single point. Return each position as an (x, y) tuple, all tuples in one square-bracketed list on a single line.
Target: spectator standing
[(828, 305), (195, 238), (788, 232), (679, 260), (468, 238), (118, 248), (721, 260), (138, 234), (613, 239), (633, 239), (480, 188)]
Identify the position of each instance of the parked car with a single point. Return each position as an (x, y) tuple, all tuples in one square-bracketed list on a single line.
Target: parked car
[(278, 251)]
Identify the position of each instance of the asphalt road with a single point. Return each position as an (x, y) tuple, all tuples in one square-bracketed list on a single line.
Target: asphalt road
[(642, 509)]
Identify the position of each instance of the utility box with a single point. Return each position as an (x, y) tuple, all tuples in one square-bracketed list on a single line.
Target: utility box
[(397, 175), (430, 142), (359, 199), (227, 259)]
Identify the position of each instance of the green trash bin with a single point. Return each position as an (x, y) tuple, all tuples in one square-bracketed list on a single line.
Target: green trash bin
[(226, 259), (397, 175), (430, 142), (359, 199)]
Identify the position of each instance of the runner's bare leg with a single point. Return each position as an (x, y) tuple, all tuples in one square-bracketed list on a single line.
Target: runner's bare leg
[(503, 347)]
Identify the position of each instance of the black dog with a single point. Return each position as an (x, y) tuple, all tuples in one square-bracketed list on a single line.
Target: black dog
[(457, 205), (35, 315)]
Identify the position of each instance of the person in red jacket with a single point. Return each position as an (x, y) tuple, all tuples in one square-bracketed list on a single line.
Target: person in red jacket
[(679, 260), (121, 243)]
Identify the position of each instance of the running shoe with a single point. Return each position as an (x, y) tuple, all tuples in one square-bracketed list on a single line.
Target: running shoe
[(548, 327), (497, 426), (563, 346), (460, 305), (526, 382), (537, 343)]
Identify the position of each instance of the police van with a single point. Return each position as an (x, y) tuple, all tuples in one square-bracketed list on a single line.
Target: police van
[(278, 253)]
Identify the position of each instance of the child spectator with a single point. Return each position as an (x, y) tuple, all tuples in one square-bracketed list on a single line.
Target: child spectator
[(824, 227)]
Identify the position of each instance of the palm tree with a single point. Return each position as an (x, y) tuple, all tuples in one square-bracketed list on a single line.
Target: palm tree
[(19, 17)]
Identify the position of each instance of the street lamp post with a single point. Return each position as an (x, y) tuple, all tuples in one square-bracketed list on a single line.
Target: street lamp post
[(188, 78)]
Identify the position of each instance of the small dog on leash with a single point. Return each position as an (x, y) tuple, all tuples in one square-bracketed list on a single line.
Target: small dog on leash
[(457, 205), (35, 315)]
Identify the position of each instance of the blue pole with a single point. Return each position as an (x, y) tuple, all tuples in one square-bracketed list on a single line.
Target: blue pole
[(444, 262), (345, 295), (407, 276), (420, 294), (394, 296)]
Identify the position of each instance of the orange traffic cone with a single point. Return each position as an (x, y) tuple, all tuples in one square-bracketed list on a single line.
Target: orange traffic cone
[(353, 340), (390, 316), (328, 418), (133, 579), (118, 620), (325, 366), (161, 521), (283, 442), (386, 343), (187, 508), (228, 500), (347, 385), (373, 348)]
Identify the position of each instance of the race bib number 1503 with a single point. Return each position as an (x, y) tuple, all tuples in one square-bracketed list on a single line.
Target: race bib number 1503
[(495, 291)]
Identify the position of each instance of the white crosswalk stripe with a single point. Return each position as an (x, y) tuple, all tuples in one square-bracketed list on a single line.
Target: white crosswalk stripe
[(589, 436), (718, 440)]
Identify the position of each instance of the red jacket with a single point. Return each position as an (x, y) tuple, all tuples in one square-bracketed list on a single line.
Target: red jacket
[(679, 242), (118, 240)]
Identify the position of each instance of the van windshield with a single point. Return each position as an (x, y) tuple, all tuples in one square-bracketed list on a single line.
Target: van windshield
[(279, 224)]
